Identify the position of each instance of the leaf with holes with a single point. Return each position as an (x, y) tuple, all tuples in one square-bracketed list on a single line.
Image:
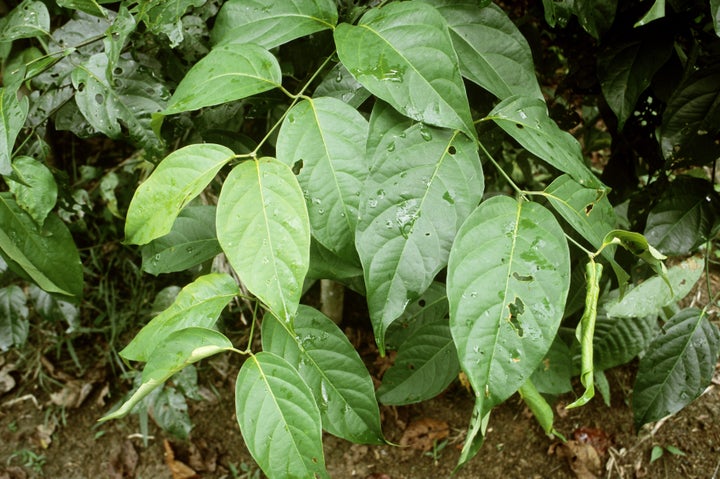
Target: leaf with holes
[(264, 230), (30, 19), (13, 112), (37, 194), (279, 418), (14, 325), (333, 370), (326, 138), (403, 54)]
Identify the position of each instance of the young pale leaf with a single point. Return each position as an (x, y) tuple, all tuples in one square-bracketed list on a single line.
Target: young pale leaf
[(508, 277), (492, 51), (678, 366), (179, 178), (333, 370), (14, 325), (172, 353), (279, 418), (264, 230), (421, 188), (29, 19), (37, 194), (198, 305), (48, 255), (191, 241), (227, 73), (326, 138), (13, 112), (403, 54), (527, 121), (340, 84), (271, 24)]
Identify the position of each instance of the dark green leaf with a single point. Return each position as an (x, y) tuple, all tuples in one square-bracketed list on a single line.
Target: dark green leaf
[(715, 14), (14, 312), (29, 19), (324, 264), (54, 309), (37, 193), (169, 411), (12, 118), (596, 16), (116, 37), (656, 12), (618, 340), (430, 307)]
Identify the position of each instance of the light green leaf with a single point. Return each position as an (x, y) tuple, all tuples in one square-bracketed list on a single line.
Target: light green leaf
[(507, 281), (325, 139), (14, 325), (38, 194), (270, 24), (333, 370), (166, 18), (539, 407), (279, 418), (422, 186), (340, 84), (639, 246), (48, 255), (553, 374), (264, 230), (492, 51), (173, 352), (429, 308), (198, 305), (656, 12), (12, 118), (527, 121), (191, 241), (88, 6), (227, 73), (29, 19), (179, 178), (678, 366), (403, 54)]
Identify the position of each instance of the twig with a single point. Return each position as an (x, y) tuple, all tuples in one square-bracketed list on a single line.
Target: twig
[(717, 469), (12, 402)]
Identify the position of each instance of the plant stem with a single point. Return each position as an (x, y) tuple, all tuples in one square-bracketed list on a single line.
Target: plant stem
[(332, 298)]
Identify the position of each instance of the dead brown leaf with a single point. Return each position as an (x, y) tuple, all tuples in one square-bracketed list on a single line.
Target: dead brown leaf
[(13, 472), (424, 433), (72, 395), (582, 458), (43, 434), (122, 464), (178, 469), (7, 382)]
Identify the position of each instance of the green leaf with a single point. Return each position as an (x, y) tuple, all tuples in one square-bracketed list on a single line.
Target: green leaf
[(430, 307), (527, 121), (507, 280), (553, 374), (618, 340), (715, 13), (30, 19), (116, 37), (677, 367), (279, 418), (596, 16), (172, 352), (179, 178), (264, 230), (123, 102), (421, 188), (54, 309), (170, 412), (324, 264), (166, 18), (270, 24), (539, 407), (627, 65), (87, 6), (386, 125), (198, 305), (492, 51), (403, 54), (227, 73), (12, 118), (37, 193), (14, 325), (332, 368), (340, 84), (191, 241), (48, 255), (684, 216), (638, 245), (325, 139), (656, 12)]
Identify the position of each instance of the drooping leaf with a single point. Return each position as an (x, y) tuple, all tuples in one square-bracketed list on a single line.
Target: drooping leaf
[(507, 280), (47, 255), (678, 366), (271, 24), (638, 245), (279, 418), (264, 230), (227, 73), (173, 351), (179, 178), (558, 12), (492, 51), (191, 241), (37, 193), (199, 304), (340, 84), (14, 325), (29, 19), (12, 118), (403, 54), (325, 139), (421, 187), (596, 16), (333, 370), (539, 407)]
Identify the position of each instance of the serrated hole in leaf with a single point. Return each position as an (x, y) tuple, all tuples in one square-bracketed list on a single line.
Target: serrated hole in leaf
[(516, 308)]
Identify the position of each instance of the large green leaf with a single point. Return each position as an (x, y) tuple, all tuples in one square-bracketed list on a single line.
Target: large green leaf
[(339, 83), (507, 280), (173, 352), (270, 24), (198, 305), (13, 112), (421, 187), (14, 325), (264, 230), (37, 193), (88, 6), (333, 370), (677, 368), (403, 54), (227, 73), (526, 120), (325, 139), (191, 241), (492, 51), (715, 14), (618, 340), (596, 16), (279, 418), (430, 307), (29, 19), (179, 178), (684, 216), (47, 255)]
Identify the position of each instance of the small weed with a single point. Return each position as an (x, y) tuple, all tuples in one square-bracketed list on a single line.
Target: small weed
[(29, 459), (244, 471), (436, 450), (658, 452)]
